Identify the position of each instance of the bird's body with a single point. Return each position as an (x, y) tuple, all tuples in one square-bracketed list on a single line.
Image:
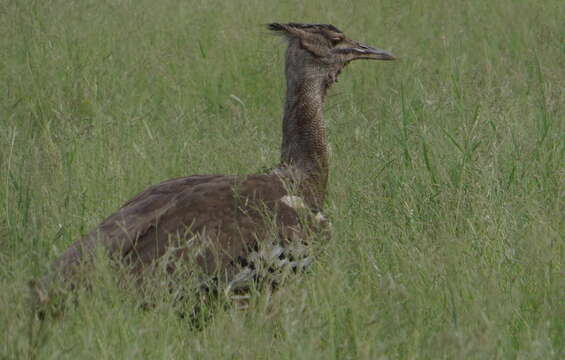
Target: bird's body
[(214, 221), (228, 225)]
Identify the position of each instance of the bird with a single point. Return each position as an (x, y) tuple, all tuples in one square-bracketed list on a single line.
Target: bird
[(236, 229)]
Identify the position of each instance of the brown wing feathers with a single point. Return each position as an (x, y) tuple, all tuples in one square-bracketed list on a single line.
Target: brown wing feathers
[(224, 217)]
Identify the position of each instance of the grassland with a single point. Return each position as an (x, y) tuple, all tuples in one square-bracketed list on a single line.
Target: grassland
[(447, 172)]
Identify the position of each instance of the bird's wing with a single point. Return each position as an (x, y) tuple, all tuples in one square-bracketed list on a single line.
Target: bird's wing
[(225, 214)]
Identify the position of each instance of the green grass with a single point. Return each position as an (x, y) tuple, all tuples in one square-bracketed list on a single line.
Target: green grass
[(446, 188)]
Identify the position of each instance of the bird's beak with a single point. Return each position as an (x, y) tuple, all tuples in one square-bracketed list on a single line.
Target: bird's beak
[(367, 52)]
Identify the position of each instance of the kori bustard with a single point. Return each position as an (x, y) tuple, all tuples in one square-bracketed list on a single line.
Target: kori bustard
[(232, 227)]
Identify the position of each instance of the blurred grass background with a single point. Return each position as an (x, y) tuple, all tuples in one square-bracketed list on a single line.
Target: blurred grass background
[(447, 171)]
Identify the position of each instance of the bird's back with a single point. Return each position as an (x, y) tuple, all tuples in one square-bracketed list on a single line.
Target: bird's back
[(219, 222)]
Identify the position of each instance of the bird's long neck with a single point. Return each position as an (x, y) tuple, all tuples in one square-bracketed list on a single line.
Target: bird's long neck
[(304, 149)]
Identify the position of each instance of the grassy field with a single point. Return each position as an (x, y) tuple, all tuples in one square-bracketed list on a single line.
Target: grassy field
[(447, 184)]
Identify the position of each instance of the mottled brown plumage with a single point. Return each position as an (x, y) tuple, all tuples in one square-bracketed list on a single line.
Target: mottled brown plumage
[(223, 222)]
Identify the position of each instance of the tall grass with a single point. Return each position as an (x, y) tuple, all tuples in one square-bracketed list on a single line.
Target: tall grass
[(446, 189)]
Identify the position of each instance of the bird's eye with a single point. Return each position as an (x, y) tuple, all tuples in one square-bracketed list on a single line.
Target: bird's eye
[(335, 40)]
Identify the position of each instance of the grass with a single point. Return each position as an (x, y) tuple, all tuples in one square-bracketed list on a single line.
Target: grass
[(446, 188)]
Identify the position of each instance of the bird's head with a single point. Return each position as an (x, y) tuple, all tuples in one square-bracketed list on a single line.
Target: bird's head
[(323, 50)]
